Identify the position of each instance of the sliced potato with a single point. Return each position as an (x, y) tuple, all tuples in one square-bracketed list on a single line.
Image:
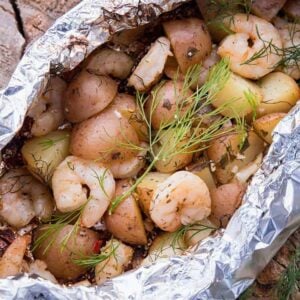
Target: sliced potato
[(146, 188), (60, 259), (239, 96), (230, 154), (280, 93), (202, 169), (164, 246), (265, 125), (198, 232), (126, 222), (225, 200), (43, 154), (190, 41)]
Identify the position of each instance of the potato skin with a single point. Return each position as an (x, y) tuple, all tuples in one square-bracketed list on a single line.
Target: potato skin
[(169, 98), (87, 95), (224, 151), (126, 222), (280, 93), (265, 125), (190, 41), (101, 137), (60, 261), (225, 200), (43, 154)]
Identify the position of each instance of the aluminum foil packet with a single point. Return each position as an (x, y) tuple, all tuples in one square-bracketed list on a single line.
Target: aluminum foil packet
[(223, 265)]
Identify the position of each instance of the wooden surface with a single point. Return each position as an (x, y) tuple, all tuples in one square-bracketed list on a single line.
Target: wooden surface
[(21, 22)]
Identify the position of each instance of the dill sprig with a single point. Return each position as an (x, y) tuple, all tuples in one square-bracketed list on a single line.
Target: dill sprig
[(107, 252), (187, 129), (47, 143), (57, 222), (290, 280)]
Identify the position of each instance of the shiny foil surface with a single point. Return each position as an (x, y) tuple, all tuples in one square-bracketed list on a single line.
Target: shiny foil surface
[(223, 265)]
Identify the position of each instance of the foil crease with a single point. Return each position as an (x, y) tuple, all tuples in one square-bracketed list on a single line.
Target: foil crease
[(223, 265)]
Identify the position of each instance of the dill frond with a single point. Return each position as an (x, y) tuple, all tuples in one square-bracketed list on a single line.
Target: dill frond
[(107, 252), (186, 132), (48, 143)]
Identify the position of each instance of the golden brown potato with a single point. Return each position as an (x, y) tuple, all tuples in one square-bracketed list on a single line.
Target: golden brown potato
[(104, 137), (280, 93), (147, 187), (190, 41), (126, 222), (107, 61), (175, 162), (60, 259), (230, 154), (225, 200), (43, 154), (87, 95), (164, 246), (198, 232), (265, 125), (202, 169), (239, 96), (170, 98)]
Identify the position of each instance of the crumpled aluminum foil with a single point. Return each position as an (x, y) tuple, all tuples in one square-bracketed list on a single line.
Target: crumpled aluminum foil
[(224, 265)]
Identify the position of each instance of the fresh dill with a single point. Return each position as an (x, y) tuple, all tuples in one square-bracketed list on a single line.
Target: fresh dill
[(49, 143), (57, 222), (107, 252), (187, 129), (100, 180)]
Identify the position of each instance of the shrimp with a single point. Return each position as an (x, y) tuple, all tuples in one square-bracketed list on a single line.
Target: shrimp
[(252, 36), (77, 182), (290, 35), (47, 113), (110, 62), (183, 198), (39, 267), (12, 260), (150, 68), (119, 256), (23, 197), (130, 167)]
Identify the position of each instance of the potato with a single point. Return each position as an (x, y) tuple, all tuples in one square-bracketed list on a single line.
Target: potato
[(292, 9), (229, 158), (265, 125), (198, 232), (169, 98), (126, 222), (104, 137), (238, 96), (164, 246), (107, 61), (266, 9), (175, 162), (225, 200), (146, 188), (190, 41), (59, 259), (87, 95), (202, 169), (43, 154), (280, 93)]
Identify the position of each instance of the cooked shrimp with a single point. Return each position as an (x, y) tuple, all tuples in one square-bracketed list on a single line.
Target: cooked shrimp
[(120, 256), (130, 167), (150, 68), (110, 62), (252, 36), (290, 36), (78, 182), (12, 259), (47, 113), (23, 197), (183, 198)]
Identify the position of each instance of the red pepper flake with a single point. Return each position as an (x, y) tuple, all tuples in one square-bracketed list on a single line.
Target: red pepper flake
[(97, 246)]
